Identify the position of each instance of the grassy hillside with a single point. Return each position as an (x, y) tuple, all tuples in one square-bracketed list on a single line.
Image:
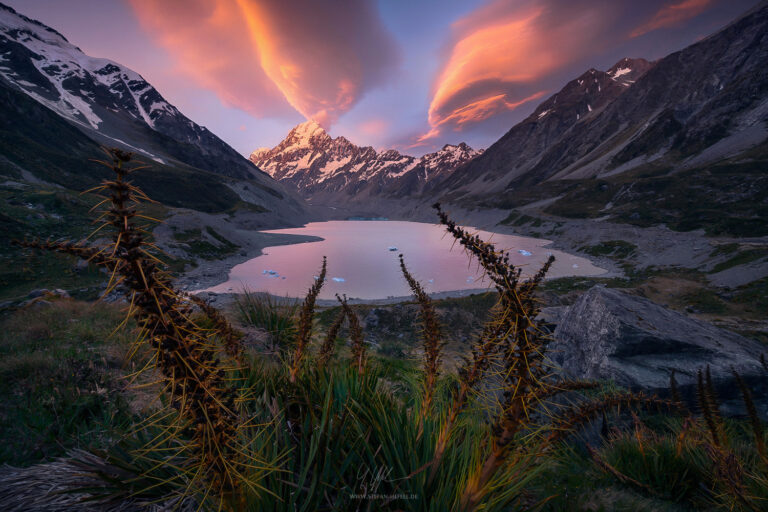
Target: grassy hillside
[(723, 199)]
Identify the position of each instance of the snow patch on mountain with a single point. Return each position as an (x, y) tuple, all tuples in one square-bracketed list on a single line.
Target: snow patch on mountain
[(313, 161)]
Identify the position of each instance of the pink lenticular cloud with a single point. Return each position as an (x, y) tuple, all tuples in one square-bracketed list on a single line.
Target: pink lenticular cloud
[(501, 53), (672, 15), (205, 38), (266, 56)]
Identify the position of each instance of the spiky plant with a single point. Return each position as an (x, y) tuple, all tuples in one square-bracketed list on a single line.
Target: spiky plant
[(305, 322), (263, 311), (302, 434), (329, 343), (515, 345), (431, 336), (356, 335), (703, 461), (186, 355)]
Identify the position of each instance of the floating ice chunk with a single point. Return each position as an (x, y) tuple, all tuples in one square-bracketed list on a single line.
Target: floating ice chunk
[(270, 272), (316, 277), (392, 248), (470, 279), (338, 279), (575, 265), (524, 252), (431, 281)]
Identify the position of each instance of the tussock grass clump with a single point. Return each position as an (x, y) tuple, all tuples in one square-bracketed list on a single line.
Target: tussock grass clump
[(263, 311)]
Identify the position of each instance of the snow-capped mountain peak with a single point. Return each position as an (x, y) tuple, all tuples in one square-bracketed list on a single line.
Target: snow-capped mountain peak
[(303, 133), (309, 159), (65, 79)]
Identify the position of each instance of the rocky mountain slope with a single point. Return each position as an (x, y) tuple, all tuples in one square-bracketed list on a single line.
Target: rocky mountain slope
[(106, 100), (580, 99), (325, 168), (59, 105), (703, 104)]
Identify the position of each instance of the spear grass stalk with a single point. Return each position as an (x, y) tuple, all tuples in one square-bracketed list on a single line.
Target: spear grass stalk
[(329, 343), (356, 334), (305, 322), (184, 353), (431, 338)]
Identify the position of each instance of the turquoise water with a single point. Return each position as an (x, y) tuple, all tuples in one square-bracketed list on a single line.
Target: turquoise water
[(363, 261)]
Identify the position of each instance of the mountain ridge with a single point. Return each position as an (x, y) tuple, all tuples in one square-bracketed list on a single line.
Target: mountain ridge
[(318, 165), (673, 116), (58, 105), (108, 101)]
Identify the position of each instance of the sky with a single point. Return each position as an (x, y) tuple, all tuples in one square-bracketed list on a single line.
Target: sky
[(406, 74)]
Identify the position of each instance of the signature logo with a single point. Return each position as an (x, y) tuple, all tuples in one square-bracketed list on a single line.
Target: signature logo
[(369, 483)]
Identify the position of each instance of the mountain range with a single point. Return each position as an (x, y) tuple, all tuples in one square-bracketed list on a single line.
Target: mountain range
[(680, 141), (58, 105), (322, 168), (703, 104)]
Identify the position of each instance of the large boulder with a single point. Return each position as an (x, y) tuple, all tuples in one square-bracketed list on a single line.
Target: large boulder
[(608, 334)]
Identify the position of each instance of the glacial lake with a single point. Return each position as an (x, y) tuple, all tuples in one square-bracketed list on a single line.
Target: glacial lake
[(363, 261)]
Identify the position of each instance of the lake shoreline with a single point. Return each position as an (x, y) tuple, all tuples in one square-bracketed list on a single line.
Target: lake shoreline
[(228, 299), (210, 274)]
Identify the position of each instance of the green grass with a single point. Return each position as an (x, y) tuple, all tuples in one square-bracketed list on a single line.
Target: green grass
[(196, 244), (518, 219), (754, 296), (741, 258), (614, 249), (43, 212), (60, 379), (722, 199), (706, 301), (277, 318)]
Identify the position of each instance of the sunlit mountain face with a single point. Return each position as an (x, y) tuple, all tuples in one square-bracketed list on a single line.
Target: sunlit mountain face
[(392, 75)]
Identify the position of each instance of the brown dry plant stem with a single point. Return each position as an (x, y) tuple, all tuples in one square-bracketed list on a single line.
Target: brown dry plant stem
[(511, 350), (512, 335), (431, 337), (329, 343), (185, 354), (230, 337), (356, 334), (305, 322)]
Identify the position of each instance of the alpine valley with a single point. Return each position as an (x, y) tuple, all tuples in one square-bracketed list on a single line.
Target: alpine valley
[(573, 317)]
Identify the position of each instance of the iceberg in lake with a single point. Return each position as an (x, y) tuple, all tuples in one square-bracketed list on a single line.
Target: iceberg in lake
[(338, 279), (524, 252)]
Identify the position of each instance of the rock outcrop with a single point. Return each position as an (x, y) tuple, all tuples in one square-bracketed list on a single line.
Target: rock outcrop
[(610, 334)]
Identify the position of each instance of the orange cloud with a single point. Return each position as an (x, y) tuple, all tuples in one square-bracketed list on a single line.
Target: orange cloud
[(499, 55), (209, 43), (671, 15), (266, 56)]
